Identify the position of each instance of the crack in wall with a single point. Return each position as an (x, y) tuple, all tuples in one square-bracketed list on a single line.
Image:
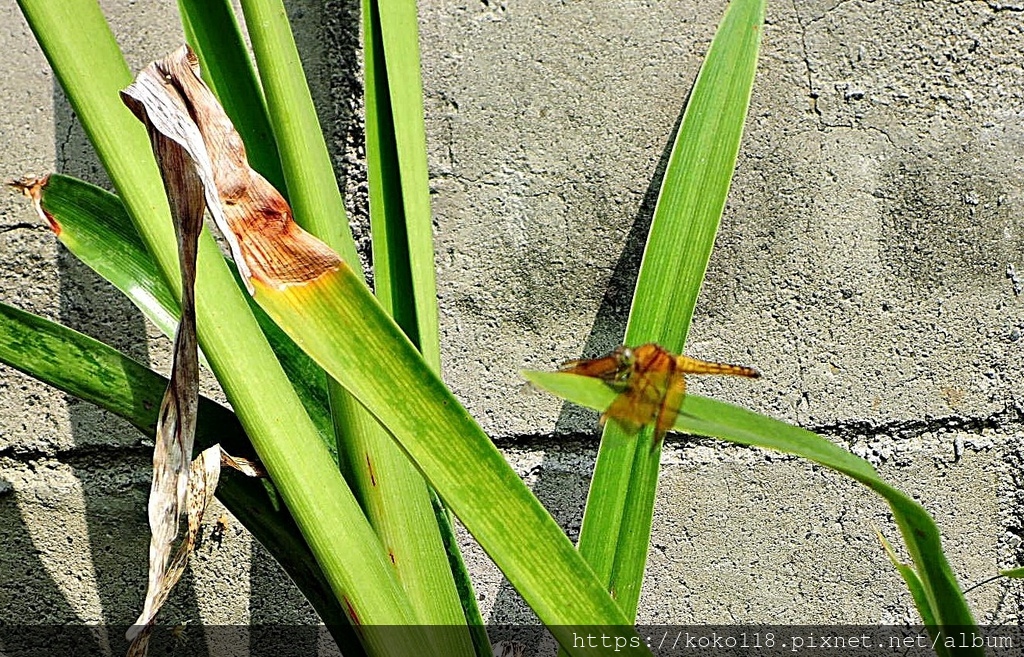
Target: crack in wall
[(85, 454), (62, 158), (21, 225), (1009, 420), (811, 93)]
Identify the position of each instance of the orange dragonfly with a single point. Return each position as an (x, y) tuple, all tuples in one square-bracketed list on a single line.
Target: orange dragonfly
[(650, 381)]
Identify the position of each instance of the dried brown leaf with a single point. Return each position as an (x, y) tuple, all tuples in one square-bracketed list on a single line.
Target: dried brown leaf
[(249, 467), (266, 243), (178, 490), (175, 430), (204, 473)]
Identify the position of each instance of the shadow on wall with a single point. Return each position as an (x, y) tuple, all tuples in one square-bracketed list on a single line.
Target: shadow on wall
[(108, 459), (557, 489)]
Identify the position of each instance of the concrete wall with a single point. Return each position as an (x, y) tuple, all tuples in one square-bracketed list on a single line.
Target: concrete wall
[(866, 264)]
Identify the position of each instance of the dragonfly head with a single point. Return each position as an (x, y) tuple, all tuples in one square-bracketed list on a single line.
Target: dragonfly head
[(625, 358)]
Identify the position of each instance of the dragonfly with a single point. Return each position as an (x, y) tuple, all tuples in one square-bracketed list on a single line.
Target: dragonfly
[(651, 383)]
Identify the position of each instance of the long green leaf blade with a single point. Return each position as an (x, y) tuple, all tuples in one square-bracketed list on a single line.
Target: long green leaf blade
[(92, 72), (397, 167), (914, 585), (92, 222), (615, 534), (706, 417), (90, 370), (393, 493), (386, 373), (403, 258)]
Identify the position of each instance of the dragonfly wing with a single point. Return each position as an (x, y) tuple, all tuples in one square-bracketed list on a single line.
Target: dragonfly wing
[(670, 405), (650, 382), (641, 402), (627, 414), (609, 369)]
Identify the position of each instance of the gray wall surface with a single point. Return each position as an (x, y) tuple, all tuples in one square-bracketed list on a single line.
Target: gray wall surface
[(870, 263)]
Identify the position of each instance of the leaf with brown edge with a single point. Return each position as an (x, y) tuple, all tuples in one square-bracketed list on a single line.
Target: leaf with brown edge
[(331, 314), (32, 188), (178, 489), (267, 245)]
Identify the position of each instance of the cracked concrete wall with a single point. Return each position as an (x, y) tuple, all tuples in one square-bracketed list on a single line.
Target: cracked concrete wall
[(869, 263)]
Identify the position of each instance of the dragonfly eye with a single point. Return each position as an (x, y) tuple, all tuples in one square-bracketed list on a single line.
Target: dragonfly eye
[(625, 359)]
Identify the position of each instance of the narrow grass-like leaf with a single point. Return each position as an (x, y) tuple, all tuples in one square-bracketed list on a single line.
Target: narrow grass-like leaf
[(92, 71), (920, 595), (913, 582), (393, 493), (706, 417), (94, 225), (224, 59), (96, 373), (403, 257), (615, 534), (463, 582), (328, 310), (1013, 572), (392, 284), (397, 169)]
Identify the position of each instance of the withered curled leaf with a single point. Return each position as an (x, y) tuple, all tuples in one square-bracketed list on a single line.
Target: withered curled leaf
[(203, 475), (170, 97), (169, 494), (178, 490)]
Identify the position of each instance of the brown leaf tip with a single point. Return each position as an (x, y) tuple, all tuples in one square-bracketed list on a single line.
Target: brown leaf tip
[(32, 188), (269, 247)]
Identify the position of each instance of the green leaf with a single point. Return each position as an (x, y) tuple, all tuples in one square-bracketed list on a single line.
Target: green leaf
[(380, 367), (93, 225), (392, 492), (401, 222), (1013, 572), (90, 370), (706, 417), (914, 584), (404, 284), (92, 71), (615, 534)]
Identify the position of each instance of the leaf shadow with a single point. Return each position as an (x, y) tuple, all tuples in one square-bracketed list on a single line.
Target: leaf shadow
[(575, 423), (111, 466)]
